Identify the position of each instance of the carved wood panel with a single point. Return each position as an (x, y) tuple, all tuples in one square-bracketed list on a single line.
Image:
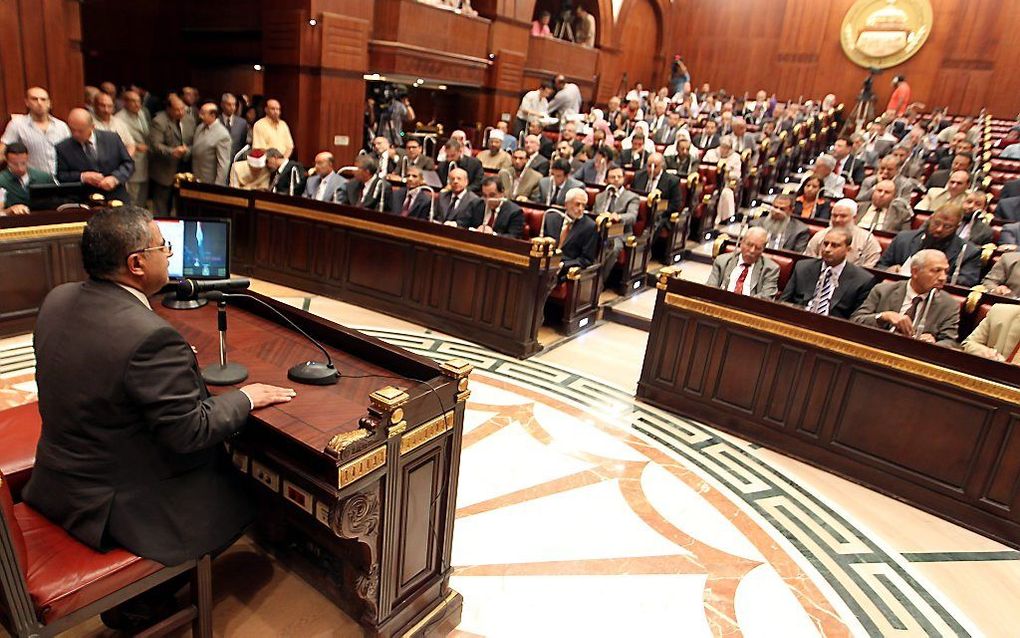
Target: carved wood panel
[(28, 277)]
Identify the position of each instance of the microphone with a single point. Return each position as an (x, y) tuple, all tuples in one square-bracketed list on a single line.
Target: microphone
[(244, 149), (191, 288), (307, 372)]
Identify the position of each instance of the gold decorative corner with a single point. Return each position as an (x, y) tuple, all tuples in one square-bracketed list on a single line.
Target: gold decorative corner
[(388, 399), (986, 253), (717, 245), (539, 248), (665, 274), (974, 298), (574, 273), (397, 429), (361, 466), (456, 368), (427, 431), (344, 440), (38, 232)]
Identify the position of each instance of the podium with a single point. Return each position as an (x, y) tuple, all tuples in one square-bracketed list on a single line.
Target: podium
[(356, 482)]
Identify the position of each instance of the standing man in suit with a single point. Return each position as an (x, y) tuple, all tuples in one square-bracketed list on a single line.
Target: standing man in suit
[(236, 125), (457, 158), (325, 182), (97, 159), (575, 233), (519, 182), (412, 200), (131, 450), (16, 178), (1004, 277), (939, 234), (831, 285), (747, 271), (210, 151), (901, 306), (457, 201), (785, 231), (136, 120), (286, 176), (498, 215), (997, 337), (622, 207), (552, 190), (170, 140), (367, 188), (883, 210)]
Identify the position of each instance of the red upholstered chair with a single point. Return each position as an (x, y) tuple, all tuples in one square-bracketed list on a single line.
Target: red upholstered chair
[(19, 431), (628, 274), (851, 190), (51, 582)]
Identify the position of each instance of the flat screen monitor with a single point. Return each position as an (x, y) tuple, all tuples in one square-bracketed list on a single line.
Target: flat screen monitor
[(201, 247), (50, 196)]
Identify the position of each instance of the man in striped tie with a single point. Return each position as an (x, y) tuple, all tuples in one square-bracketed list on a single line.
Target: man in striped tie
[(830, 285)]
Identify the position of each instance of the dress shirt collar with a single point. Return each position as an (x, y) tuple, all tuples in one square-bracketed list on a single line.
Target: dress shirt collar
[(138, 294)]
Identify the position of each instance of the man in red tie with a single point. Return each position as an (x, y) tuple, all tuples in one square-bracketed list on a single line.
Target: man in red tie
[(747, 271), (416, 201), (499, 215)]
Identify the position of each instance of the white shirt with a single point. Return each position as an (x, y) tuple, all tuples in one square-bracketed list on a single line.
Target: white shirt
[(41, 152), (731, 283), (908, 298), (534, 102), (320, 192)]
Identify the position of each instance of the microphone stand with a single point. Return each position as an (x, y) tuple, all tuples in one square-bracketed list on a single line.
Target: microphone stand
[(380, 189), (432, 200), (919, 329), (224, 373), (244, 149), (293, 181), (959, 263), (307, 372)]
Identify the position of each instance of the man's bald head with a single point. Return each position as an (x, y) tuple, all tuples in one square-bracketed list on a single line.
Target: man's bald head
[(883, 194), (458, 180), (175, 108), (273, 110), (81, 124)]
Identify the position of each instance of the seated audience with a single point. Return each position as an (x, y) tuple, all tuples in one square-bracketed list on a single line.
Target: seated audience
[(915, 308), (888, 169), (635, 157), (810, 202), (39, 131), (830, 285), (97, 159), (367, 189), (682, 157), (494, 158), (784, 232), (210, 151), (569, 134), (325, 181), (864, 248), (708, 138), (414, 157), (519, 181), (961, 162), (966, 126), (458, 201), (747, 271), (622, 206), (457, 158), (286, 176), (939, 234), (1009, 234), (16, 178), (655, 178), (832, 184), (1004, 277), (882, 210), (953, 193), (411, 200), (251, 173), (552, 190), (575, 233), (536, 160), (972, 227), (595, 170), (743, 140), (997, 337), (848, 166), (509, 141), (272, 132), (723, 154), (497, 215)]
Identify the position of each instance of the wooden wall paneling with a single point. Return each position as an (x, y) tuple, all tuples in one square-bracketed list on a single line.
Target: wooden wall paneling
[(640, 42), (12, 65), (30, 265), (1003, 489), (507, 82)]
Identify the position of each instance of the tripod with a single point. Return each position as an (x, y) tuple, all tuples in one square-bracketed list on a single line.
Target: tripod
[(864, 110), (564, 29)]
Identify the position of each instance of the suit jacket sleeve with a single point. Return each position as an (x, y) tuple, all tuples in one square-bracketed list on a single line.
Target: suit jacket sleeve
[(891, 256), (1010, 235), (715, 277), (947, 333), (66, 173), (157, 137), (162, 378), (473, 215), (970, 269), (801, 240), (125, 165), (997, 276), (791, 294), (977, 342), (865, 314), (515, 225), (222, 159), (770, 282), (588, 252), (629, 216)]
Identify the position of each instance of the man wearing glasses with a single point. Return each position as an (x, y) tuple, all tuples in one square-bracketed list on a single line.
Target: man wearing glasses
[(131, 450)]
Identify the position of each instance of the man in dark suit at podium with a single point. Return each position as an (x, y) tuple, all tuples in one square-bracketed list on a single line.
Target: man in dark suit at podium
[(130, 453), (498, 215), (831, 285), (95, 158)]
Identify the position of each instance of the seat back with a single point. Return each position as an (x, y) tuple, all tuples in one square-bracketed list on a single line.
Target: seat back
[(10, 532), (532, 222)]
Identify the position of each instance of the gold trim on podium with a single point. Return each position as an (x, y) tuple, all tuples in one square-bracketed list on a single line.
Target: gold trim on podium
[(39, 232), (361, 466), (427, 431), (229, 200), (891, 360)]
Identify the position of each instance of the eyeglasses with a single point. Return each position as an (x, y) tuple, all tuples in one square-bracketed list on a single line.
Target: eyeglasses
[(167, 246)]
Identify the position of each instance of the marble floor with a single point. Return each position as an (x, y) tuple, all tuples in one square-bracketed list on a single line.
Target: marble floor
[(582, 512)]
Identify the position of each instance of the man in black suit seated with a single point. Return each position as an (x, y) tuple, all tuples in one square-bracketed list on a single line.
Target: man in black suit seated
[(636, 157), (97, 159), (412, 200), (708, 138), (457, 158), (498, 215), (367, 189), (785, 232), (655, 178), (915, 308), (575, 233), (831, 285), (1010, 234), (536, 161), (1008, 208), (940, 234), (457, 201), (414, 157), (286, 176), (961, 162), (972, 227), (848, 166), (131, 450), (552, 190)]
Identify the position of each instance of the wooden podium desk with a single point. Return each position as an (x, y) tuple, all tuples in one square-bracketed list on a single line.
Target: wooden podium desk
[(38, 252), (356, 482), (937, 428)]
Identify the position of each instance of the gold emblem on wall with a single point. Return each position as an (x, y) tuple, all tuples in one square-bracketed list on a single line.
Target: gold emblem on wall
[(884, 33)]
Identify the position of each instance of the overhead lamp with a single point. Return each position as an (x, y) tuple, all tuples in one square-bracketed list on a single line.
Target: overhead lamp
[(313, 22), (257, 67)]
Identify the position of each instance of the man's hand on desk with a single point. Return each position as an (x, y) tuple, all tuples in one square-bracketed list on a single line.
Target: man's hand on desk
[(17, 209), (927, 337), (91, 178), (902, 323), (263, 395)]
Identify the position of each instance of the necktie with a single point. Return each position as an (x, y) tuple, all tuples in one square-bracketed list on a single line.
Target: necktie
[(823, 294), (490, 217), (90, 150), (453, 203), (555, 194), (739, 287), (914, 311), (612, 201), (406, 208), (567, 223)]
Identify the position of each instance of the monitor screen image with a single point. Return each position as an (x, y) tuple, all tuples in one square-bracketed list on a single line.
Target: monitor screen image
[(201, 247)]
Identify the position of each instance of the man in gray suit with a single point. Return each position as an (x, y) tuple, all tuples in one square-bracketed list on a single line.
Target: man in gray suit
[(131, 450), (888, 168), (170, 138), (458, 202), (747, 271), (915, 308), (785, 231), (553, 189), (324, 183), (883, 210), (519, 181), (236, 125), (210, 153), (1010, 234), (622, 207), (136, 120)]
